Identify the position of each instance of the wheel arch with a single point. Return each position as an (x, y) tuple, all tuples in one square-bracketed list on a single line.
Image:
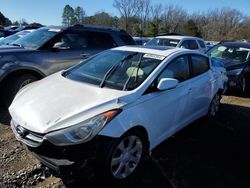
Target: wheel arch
[(21, 71)]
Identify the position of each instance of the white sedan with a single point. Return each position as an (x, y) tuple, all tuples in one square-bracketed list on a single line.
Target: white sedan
[(108, 112)]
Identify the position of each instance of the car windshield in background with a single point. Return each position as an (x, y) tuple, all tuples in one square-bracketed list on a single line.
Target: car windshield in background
[(36, 39), (13, 37), (236, 54), (119, 70), (163, 42)]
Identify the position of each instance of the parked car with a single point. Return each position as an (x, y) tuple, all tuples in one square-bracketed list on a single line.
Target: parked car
[(236, 58), (141, 40), (188, 42), (108, 112), (8, 40), (4, 33), (50, 49)]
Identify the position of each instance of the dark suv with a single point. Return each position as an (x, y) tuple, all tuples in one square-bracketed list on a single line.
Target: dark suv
[(51, 49)]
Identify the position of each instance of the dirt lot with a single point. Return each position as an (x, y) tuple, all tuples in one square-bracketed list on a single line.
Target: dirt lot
[(207, 154)]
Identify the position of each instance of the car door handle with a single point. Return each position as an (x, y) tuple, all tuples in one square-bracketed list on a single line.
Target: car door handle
[(84, 55)]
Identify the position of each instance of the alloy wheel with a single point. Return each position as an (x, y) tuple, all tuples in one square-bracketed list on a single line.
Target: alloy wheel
[(126, 157)]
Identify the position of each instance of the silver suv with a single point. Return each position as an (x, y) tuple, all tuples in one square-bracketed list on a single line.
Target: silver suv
[(188, 42), (50, 49)]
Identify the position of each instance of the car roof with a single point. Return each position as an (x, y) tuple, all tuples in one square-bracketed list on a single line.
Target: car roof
[(178, 37), (156, 50), (236, 44), (80, 27)]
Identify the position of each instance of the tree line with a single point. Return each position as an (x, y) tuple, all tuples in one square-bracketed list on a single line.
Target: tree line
[(143, 18)]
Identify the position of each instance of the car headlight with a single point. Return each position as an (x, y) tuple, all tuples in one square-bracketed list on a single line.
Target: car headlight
[(83, 131), (235, 72)]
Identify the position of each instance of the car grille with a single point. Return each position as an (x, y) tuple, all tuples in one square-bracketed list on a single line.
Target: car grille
[(27, 137)]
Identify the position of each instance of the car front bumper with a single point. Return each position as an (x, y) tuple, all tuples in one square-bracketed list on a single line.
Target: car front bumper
[(64, 161), (70, 161)]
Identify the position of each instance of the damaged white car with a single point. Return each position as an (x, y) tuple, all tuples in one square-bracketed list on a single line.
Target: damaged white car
[(106, 113)]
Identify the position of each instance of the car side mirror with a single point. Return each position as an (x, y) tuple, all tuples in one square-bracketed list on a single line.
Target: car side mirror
[(167, 83), (59, 46)]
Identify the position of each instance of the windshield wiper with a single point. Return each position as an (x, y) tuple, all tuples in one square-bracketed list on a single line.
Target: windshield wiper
[(15, 44), (114, 67)]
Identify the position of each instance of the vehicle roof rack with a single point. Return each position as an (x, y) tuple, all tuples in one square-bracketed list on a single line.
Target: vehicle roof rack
[(169, 34), (99, 27)]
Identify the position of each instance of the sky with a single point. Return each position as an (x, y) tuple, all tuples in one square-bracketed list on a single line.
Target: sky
[(49, 12)]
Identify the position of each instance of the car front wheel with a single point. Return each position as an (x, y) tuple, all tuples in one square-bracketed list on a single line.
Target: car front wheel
[(14, 84), (123, 156)]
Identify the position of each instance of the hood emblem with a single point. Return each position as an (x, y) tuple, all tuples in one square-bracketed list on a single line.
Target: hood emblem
[(21, 131)]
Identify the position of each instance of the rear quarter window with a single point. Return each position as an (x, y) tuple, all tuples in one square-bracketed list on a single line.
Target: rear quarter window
[(200, 64)]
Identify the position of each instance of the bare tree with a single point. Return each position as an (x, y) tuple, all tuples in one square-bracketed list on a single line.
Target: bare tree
[(127, 9), (173, 18), (144, 14)]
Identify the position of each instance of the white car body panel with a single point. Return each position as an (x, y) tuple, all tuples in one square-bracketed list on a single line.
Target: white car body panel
[(43, 107)]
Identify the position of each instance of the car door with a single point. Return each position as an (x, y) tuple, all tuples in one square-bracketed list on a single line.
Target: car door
[(66, 50), (200, 92), (165, 109)]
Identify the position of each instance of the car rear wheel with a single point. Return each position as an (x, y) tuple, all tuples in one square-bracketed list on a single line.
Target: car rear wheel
[(214, 105), (14, 84), (243, 85)]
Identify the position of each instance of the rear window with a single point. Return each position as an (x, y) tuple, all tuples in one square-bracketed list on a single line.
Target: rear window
[(201, 43), (128, 40), (200, 64)]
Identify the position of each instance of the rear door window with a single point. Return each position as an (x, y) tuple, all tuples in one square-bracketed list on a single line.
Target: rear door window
[(100, 40), (199, 64)]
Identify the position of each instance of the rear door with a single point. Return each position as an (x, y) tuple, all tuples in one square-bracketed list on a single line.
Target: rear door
[(202, 81)]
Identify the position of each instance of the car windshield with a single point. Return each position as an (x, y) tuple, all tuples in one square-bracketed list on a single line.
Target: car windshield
[(163, 42), (232, 53), (36, 39), (14, 37), (121, 70)]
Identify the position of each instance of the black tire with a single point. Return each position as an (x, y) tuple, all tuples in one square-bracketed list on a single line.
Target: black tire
[(214, 106), (243, 87), (14, 84), (108, 150)]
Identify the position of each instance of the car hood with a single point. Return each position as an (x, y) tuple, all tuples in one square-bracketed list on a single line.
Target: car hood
[(230, 64), (57, 102), (10, 49)]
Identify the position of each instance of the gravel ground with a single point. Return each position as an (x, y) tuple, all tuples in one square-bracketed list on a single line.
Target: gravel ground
[(206, 154)]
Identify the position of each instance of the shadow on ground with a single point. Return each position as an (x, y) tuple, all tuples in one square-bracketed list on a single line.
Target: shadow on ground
[(209, 153)]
